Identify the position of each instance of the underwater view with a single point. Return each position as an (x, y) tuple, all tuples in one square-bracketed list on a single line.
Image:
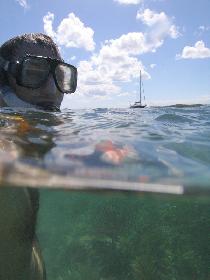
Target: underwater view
[(106, 193)]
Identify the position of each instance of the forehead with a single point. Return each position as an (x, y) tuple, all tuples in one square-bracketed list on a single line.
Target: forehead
[(34, 49)]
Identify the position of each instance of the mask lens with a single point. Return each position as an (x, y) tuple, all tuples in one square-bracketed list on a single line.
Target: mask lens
[(66, 77), (34, 72)]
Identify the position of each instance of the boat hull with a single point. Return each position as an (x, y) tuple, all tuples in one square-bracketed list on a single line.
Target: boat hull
[(137, 106)]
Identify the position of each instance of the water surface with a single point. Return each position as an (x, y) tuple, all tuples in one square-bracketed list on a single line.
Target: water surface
[(162, 145)]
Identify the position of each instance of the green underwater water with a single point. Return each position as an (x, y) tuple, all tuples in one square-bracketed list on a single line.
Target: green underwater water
[(121, 235)]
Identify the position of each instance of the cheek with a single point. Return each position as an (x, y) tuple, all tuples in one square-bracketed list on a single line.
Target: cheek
[(47, 91), (12, 82), (27, 94), (19, 90), (60, 96)]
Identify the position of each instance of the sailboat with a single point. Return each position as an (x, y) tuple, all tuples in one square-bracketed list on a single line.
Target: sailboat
[(138, 104)]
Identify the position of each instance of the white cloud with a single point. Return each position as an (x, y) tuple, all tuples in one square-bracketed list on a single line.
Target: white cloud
[(198, 51), (23, 3), (117, 61), (204, 28), (153, 65), (94, 80), (71, 32), (150, 18), (73, 57), (161, 25), (174, 32), (132, 43), (129, 2), (48, 28), (201, 30)]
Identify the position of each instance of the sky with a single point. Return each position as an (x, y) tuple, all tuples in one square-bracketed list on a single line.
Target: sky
[(110, 41)]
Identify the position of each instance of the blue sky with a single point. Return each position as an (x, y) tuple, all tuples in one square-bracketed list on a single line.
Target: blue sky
[(111, 40)]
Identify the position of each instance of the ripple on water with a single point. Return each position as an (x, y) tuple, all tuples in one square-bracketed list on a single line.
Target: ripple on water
[(173, 118), (161, 143)]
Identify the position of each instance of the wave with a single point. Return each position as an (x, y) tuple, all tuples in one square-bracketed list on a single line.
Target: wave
[(185, 105)]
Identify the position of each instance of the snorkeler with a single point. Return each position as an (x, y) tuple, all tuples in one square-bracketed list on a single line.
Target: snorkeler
[(33, 74)]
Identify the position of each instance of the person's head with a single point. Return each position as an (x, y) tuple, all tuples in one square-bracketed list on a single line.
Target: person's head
[(34, 70)]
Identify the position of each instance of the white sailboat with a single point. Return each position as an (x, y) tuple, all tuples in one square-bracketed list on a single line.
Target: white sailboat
[(138, 104)]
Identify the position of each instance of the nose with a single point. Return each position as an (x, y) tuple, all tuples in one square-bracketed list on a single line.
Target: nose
[(48, 95), (49, 89)]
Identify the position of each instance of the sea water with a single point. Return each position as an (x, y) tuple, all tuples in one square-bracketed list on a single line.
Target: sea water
[(123, 193)]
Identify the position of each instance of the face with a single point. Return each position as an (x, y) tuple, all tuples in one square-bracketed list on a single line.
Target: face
[(48, 92)]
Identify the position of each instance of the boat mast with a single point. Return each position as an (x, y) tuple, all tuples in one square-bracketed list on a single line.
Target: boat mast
[(140, 87)]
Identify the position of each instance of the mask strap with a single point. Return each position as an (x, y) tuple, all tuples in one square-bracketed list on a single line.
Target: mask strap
[(4, 63)]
